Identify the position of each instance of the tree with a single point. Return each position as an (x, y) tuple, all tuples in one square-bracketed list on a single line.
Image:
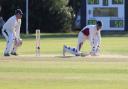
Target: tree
[(51, 15), (46, 15), (75, 4)]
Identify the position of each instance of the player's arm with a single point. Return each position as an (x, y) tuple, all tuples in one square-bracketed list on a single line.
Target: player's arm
[(98, 36), (18, 29), (13, 23), (97, 41), (91, 37)]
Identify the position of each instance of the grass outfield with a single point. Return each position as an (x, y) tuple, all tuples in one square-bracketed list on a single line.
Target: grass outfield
[(30, 72), (53, 43), (60, 73)]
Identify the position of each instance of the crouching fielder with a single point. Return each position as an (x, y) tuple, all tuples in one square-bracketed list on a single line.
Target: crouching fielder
[(11, 32), (91, 33)]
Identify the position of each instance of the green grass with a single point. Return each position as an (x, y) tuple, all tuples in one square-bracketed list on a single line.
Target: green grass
[(63, 75), (53, 43)]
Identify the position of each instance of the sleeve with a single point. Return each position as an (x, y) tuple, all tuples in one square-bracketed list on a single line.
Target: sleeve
[(91, 37), (12, 25), (98, 39), (18, 29), (95, 39)]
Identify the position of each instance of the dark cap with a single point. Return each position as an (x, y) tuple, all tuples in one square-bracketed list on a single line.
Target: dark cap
[(99, 23), (18, 11)]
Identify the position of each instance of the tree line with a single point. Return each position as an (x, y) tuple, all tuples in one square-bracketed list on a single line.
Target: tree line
[(46, 15)]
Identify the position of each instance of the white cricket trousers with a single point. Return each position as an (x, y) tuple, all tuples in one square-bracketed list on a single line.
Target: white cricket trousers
[(81, 39), (9, 40)]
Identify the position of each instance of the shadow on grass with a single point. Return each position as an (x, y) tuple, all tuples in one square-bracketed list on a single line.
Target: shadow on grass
[(65, 56)]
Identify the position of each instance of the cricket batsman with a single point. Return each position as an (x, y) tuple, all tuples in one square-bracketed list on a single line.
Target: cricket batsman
[(91, 33), (11, 32)]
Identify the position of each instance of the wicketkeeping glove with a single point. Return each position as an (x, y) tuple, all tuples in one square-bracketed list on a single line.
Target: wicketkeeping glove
[(18, 42)]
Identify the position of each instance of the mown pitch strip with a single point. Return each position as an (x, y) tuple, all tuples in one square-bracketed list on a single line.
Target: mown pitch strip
[(55, 57)]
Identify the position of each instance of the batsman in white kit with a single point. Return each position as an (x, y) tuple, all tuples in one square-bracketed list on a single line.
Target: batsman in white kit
[(11, 32), (91, 33)]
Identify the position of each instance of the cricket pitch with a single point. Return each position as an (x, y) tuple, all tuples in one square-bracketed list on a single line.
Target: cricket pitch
[(58, 57)]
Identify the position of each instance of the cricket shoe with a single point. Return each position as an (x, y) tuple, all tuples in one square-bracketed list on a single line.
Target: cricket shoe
[(81, 54), (14, 53), (84, 54), (78, 54), (6, 54)]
